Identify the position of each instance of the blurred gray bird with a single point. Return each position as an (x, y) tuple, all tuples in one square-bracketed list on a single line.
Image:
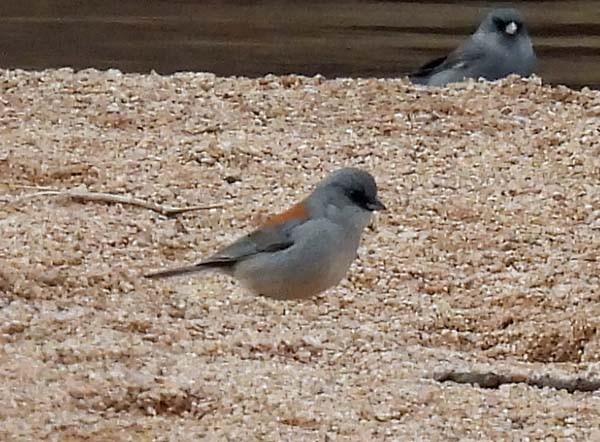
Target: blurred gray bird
[(306, 249), (500, 47)]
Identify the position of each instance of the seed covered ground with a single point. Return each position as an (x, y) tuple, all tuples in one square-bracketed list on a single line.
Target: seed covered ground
[(487, 260)]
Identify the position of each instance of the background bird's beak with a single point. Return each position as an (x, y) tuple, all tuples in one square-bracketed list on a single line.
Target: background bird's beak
[(511, 28), (376, 205)]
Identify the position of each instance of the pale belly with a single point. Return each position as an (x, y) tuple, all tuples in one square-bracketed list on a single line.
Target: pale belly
[(302, 270)]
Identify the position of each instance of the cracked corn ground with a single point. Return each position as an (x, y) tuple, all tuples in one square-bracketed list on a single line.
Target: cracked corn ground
[(487, 258)]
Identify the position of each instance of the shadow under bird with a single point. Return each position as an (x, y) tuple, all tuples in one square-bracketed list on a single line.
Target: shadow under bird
[(305, 250), (500, 47)]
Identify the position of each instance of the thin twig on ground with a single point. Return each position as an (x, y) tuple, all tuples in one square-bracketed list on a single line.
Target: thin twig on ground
[(490, 379), (25, 186), (83, 195)]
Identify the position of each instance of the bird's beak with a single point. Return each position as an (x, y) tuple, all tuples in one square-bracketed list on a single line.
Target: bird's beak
[(511, 28), (376, 205)]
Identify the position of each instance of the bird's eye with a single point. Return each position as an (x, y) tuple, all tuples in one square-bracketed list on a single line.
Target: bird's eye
[(358, 197), (500, 24)]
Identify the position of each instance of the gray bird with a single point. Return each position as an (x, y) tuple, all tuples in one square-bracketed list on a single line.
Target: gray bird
[(306, 249), (500, 47)]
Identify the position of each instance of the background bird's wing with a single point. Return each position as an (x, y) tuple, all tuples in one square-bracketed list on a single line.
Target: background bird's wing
[(427, 69), (460, 58)]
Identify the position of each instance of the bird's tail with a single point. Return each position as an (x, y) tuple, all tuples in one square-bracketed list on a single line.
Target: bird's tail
[(178, 271)]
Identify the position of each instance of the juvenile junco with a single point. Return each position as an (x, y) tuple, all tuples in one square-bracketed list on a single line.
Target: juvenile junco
[(306, 249), (501, 46)]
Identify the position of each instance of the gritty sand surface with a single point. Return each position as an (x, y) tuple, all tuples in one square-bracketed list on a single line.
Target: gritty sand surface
[(487, 259)]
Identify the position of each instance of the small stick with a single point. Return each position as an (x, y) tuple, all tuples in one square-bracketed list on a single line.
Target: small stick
[(118, 199), (490, 379), (25, 186)]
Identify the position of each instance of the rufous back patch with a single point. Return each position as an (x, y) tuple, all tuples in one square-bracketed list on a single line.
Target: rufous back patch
[(296, 212)]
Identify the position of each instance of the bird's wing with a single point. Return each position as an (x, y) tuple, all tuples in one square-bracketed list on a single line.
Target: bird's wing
[(427, 69), (461, 58), (275, 234)]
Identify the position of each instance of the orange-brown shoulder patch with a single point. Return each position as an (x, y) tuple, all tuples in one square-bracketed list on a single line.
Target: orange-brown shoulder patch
[(296, 212)]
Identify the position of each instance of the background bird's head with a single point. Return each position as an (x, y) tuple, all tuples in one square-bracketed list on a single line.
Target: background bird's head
[(505, 24)]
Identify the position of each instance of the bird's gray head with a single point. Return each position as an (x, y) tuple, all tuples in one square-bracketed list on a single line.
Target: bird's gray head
[(351, 187), (506, 22)]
